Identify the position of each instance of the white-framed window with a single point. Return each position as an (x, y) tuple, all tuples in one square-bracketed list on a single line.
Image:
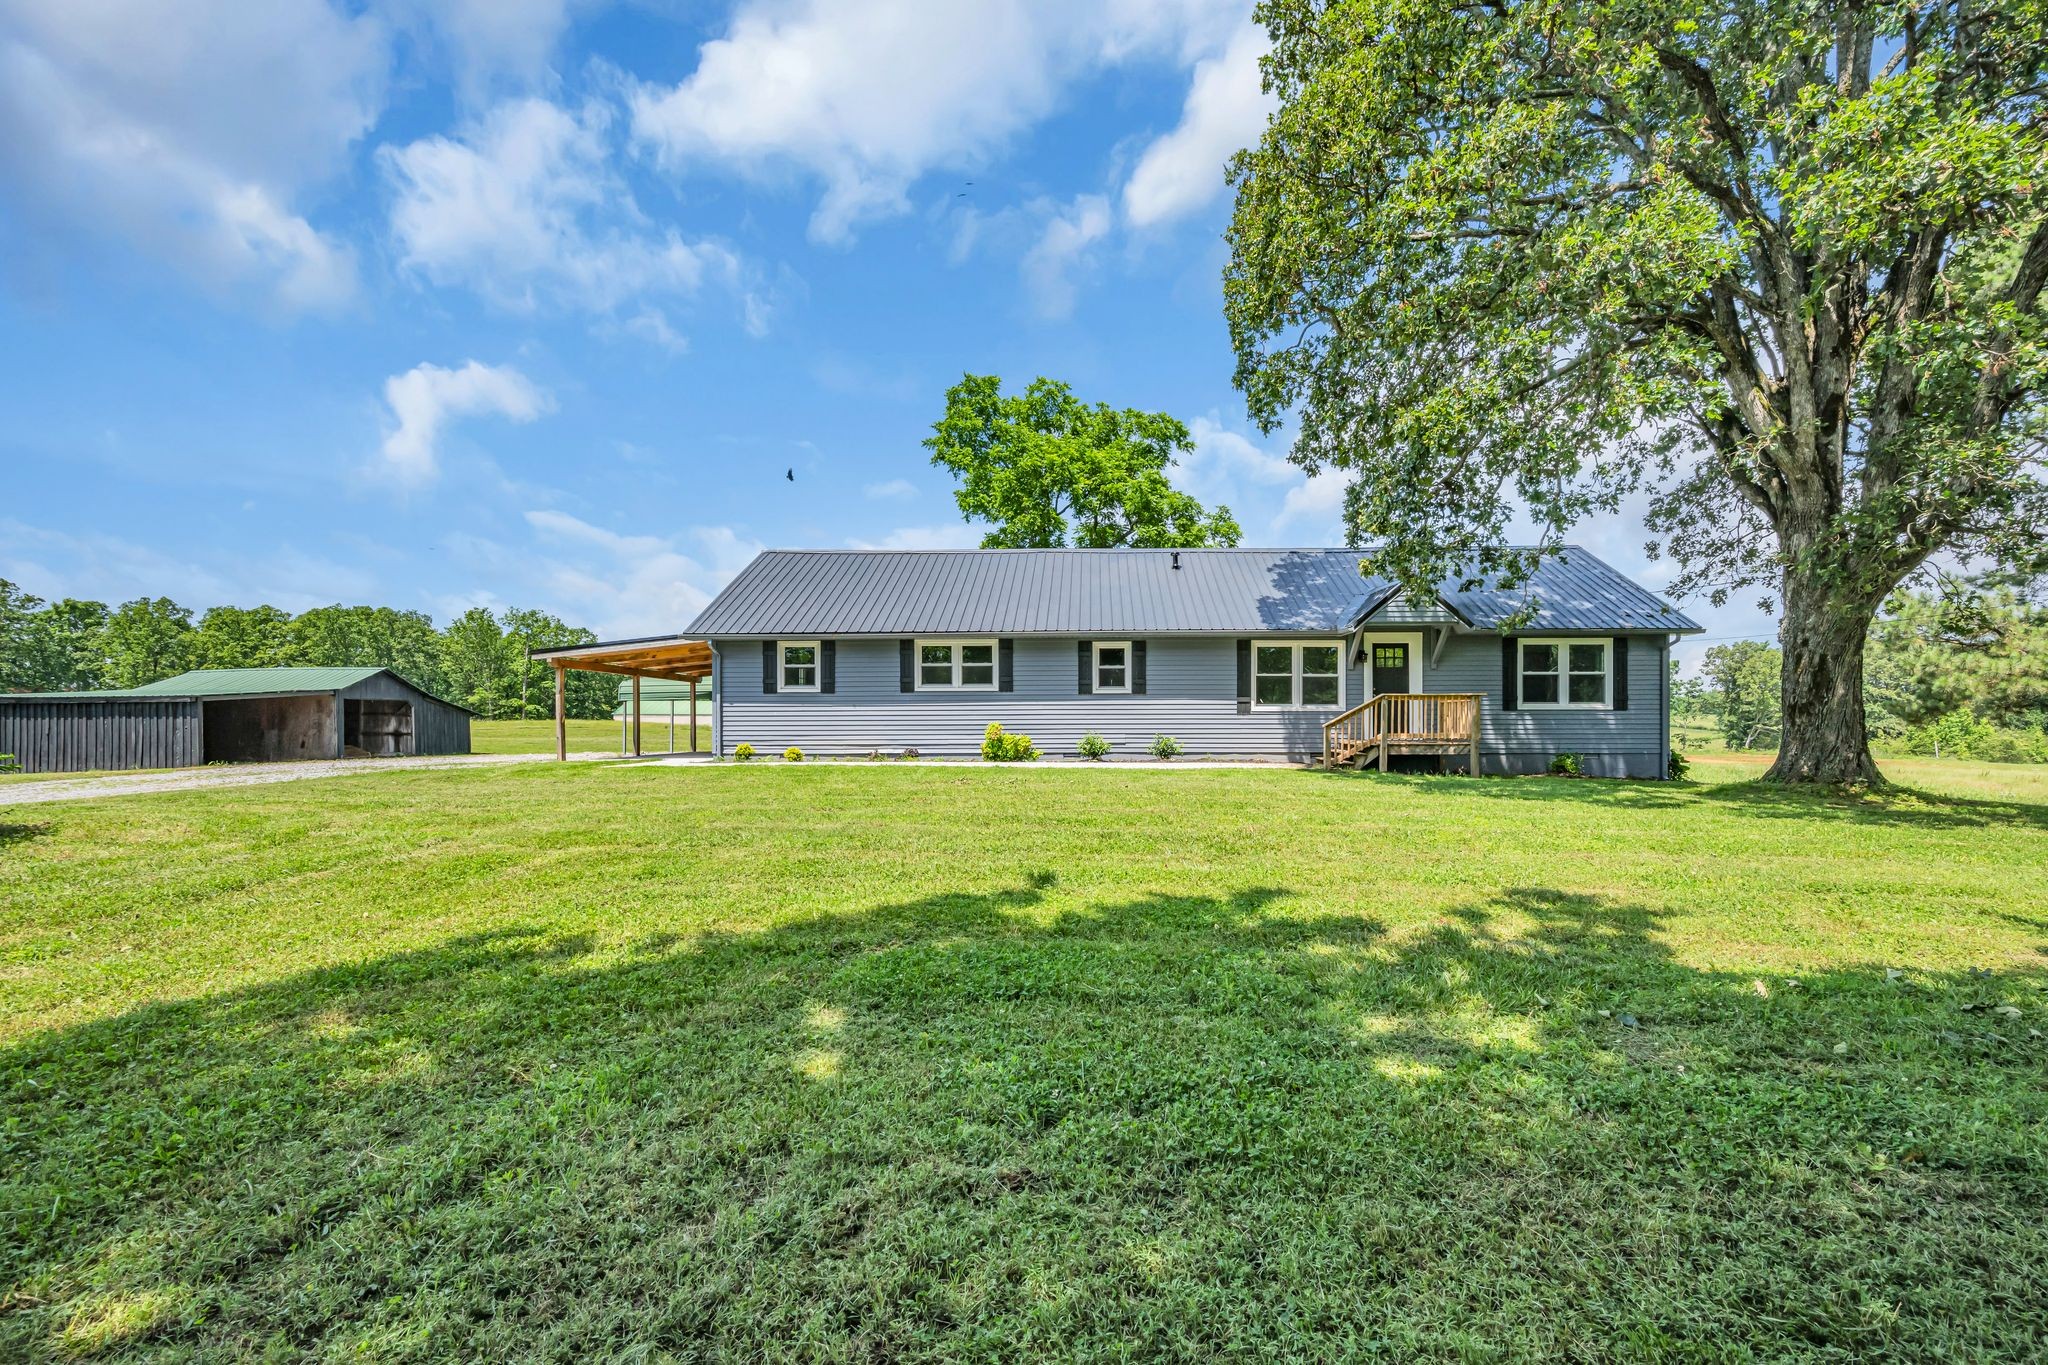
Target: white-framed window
[(1112, 665), (1298, 673), (798, 660), (1567, 673), (960, 665)]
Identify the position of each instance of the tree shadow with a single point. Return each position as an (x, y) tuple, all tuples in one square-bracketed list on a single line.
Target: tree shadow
[(22, 833), (1003, 1122)]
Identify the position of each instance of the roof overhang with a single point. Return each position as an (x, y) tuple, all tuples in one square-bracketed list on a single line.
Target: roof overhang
[(661, 656)]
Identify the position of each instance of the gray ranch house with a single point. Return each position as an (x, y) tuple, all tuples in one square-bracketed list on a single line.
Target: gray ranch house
[(1279, 654)]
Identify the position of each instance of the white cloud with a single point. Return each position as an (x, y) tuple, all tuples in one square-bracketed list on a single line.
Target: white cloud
[(424, 398), (957, 535), (108, 568), (187, 129), (1223, 462), (1064, 249), (1315, 506), (493, 41), (869, 98), (892, 489), (625, 585), (1225, 111), (526, 209)]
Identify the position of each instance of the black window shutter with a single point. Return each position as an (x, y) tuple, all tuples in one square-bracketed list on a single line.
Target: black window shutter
[(1244, 677), (1006, 665), (1510, 674), (828, 666), (1086, 649), (768, 669), (1138, 667), (906, 665), (1621, 672)]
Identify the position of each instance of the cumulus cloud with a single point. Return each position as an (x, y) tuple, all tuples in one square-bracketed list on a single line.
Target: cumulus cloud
[(1064, 248), (187, 130), (525, 209), (869, 98), (629, 584), (1225, 111), (892, 489), (493, 42), (426, 397)]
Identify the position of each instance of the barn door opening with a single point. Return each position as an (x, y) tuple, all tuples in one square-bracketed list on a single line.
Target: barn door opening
[(373, 728)]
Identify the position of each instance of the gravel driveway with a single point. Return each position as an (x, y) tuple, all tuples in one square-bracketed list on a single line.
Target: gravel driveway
[(245, 775)]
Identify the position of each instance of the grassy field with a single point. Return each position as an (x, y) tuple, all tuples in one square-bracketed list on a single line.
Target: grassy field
[(839, 1062), (585, 736)]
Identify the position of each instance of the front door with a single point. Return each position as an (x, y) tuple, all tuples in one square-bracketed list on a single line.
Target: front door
[(1390, 666)]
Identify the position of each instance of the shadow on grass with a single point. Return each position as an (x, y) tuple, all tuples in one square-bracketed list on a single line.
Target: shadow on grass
[(21, 834), (993, 1123), (1895, 805)]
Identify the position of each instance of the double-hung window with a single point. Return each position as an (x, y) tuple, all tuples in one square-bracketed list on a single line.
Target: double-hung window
[(1297, 673), (1566, 673), (1112, 665), (798, 660), (956, 664)]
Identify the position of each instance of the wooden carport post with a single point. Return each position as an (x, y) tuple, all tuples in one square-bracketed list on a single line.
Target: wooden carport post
[(636, 715), (561, 716), (693, 715)]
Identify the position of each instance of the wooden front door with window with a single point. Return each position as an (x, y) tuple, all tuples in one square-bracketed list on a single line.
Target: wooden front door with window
[(1390, 667)]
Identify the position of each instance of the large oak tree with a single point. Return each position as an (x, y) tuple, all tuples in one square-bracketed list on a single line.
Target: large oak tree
[(1778, 262)]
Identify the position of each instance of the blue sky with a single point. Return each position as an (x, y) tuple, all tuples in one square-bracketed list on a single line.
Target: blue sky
[(443, 303)]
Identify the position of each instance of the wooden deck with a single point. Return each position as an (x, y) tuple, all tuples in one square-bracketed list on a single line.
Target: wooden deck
[(1372, 732)]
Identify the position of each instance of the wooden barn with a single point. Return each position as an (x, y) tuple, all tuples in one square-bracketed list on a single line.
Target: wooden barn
[(231, 715)]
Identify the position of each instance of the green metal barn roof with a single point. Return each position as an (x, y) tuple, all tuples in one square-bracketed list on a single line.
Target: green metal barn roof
[(230, 682)]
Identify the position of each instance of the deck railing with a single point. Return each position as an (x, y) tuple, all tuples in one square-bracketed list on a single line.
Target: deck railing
[(1404, 722)]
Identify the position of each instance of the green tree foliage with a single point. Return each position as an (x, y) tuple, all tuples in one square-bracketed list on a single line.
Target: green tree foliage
[(1744, 677), (1779, 262), (372, 637), (242, 637), (532, 690), (479, 663), (147, 639), (1979, 645), (1048, 470)]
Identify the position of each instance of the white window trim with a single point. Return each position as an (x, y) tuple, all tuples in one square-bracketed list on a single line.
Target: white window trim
[(958, 644), (1294, 664), (1564, 675), (782, 665), (1129, 664)]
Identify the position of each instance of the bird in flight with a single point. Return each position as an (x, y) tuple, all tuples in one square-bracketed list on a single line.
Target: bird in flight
[(791, 476)]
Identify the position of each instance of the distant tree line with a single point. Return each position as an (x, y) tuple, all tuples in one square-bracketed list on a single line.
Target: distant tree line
[(1961, 671), (479, 660)]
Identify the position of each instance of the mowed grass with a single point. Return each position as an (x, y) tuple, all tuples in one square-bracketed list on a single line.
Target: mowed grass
[(849, 1062), (585, 736)]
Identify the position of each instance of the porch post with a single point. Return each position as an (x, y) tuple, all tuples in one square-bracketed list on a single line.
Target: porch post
[(671, 723), (1477, 703), (693, 715), (561, 716), (636, 715)]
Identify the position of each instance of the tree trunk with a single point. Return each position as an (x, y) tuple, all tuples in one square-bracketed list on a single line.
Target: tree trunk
[(1824, 739)]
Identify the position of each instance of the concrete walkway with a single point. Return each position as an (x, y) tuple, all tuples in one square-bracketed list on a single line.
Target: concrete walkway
[(247, 775)]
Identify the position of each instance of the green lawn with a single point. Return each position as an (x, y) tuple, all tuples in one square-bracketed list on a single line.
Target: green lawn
[(585, 736), (844, 1062)]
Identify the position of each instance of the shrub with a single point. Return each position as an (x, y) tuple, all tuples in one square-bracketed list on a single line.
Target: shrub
[(909, 753), (1568, 765), (1164, 746), (997, 747), (792, 755), (743, 752), (1094, 746), (8, 765), (1678, 767)]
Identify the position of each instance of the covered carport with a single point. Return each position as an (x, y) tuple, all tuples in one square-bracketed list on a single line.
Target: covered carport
[(665, 656)]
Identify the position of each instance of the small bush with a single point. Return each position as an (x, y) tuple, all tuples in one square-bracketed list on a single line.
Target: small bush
[(792, 755), (909, 753), (8, 765), (1094, 746), (997, 747), (1568, 765), (743, 753), (1678, 767), (1164, 746)]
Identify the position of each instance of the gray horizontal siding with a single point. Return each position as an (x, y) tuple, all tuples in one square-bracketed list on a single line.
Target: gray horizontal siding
[(1191, 694), (1400, 609), (93, 736)]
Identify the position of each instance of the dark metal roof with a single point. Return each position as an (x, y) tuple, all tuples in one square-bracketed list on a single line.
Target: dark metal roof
[(222, 684), (1113, 592)]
